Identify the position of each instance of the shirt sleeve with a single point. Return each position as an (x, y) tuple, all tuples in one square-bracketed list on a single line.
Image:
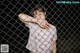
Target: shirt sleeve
[(54, 34), (28, 25)]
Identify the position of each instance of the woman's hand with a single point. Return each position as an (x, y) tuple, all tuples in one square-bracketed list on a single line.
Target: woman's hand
[(43, 23)]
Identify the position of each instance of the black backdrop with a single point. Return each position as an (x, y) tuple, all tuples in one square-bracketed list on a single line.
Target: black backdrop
[(64, 16)]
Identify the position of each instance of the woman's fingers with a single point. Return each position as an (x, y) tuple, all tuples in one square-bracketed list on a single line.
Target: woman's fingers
[(45, 26)]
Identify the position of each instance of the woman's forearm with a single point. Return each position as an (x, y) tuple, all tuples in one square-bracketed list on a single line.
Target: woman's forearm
[(54, 47), (26, 18)]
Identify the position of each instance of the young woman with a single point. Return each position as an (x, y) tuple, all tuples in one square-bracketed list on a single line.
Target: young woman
[(43, 36)]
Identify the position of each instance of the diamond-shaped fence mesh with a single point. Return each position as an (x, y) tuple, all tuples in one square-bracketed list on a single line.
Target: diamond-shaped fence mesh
[(66, 18)]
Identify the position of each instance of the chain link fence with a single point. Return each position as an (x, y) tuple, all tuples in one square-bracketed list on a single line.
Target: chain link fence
[(64, 16)]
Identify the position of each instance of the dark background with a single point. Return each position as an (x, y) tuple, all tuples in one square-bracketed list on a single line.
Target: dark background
[(66, 17)]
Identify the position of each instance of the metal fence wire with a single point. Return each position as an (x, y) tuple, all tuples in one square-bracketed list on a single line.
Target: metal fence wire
[(66, 18)]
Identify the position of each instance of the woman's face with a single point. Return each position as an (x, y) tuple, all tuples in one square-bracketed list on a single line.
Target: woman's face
[(39, 15)]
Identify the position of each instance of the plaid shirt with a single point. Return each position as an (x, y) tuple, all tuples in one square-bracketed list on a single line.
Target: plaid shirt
[(40, 39)]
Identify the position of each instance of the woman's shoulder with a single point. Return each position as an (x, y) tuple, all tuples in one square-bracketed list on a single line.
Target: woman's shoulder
[(52, 26)]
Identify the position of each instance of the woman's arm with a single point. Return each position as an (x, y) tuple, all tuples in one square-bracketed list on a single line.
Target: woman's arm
[(54, 46), (26, 18)]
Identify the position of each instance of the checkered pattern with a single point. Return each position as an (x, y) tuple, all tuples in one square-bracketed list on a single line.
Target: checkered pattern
[(41, 40), (66, 18)]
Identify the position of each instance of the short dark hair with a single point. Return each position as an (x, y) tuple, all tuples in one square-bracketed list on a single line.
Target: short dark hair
[(39, 8)]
